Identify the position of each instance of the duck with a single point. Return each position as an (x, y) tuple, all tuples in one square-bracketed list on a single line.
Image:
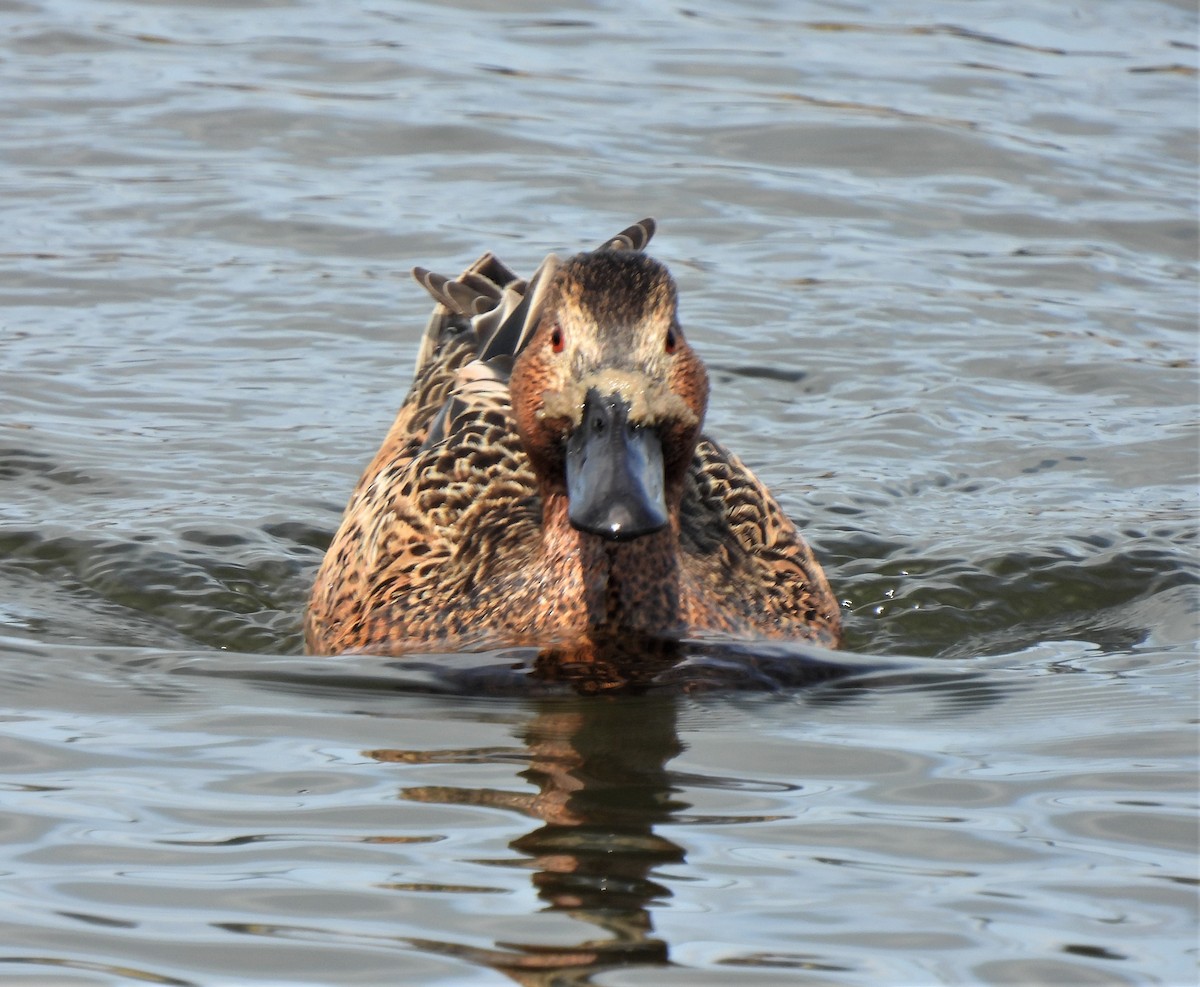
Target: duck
[(547, 484)]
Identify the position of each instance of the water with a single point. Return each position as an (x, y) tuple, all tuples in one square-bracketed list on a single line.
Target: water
[(941, 260)]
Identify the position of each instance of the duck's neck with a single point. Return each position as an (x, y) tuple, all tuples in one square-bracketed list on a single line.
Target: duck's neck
[(630, 587)]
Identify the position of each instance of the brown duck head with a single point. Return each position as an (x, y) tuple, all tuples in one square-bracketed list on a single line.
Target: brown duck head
[(608, 395)]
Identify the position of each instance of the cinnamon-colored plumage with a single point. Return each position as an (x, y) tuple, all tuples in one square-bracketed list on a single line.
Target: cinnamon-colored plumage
[(546, 483)]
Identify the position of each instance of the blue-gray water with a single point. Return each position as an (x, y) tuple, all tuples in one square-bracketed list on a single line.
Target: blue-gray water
[(941, 260)]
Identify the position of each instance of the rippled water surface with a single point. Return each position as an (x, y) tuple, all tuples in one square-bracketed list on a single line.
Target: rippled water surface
[(941, 260)]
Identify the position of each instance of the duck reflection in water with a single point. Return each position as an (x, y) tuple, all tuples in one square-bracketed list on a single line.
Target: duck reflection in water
[(602, 788)]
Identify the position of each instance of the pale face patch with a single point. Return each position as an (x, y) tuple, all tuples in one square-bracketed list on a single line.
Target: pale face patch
[(650, 402)]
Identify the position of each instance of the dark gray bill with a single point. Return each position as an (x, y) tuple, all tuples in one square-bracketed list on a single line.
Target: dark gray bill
[(614, 473)]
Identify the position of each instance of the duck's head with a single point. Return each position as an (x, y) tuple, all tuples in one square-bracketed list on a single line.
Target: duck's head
[(608, 395)]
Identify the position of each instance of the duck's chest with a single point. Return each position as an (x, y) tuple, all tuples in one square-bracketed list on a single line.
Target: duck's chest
[(573, 583)]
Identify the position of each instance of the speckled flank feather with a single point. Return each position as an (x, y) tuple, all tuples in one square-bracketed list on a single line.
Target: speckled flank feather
[(457, 536)]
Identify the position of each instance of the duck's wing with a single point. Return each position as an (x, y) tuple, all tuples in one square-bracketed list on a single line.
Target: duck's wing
[(466, 305), (749, 556), (633, 238), (514, 327)]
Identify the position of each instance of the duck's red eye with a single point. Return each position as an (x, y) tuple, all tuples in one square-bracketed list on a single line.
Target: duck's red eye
[(672, 342), (556, 340)]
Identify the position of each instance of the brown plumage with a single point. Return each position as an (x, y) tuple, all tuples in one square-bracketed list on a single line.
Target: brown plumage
[(546, 483)]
